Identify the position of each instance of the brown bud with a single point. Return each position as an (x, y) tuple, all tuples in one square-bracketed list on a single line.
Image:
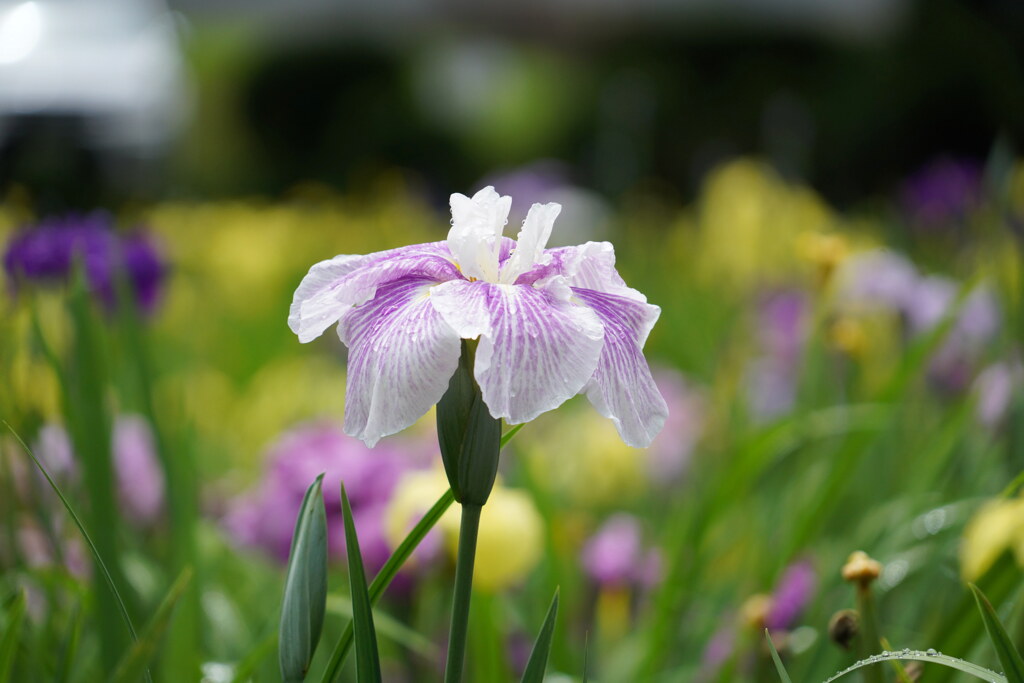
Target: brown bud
[(861, 569), (843, 627)]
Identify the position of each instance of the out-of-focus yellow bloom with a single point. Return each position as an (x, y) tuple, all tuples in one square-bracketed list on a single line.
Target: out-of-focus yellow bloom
[(511, 536), (754, 611), (613, 606), (996, 527), (847, 334), (825, 251), (414, 495), (749, 220), (861, 568), (593, 466)]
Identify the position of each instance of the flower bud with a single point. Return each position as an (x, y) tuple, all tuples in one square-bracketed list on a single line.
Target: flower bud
[(843, 628), (861, 569)]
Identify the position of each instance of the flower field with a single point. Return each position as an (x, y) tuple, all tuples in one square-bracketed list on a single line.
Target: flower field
[(835, 382)]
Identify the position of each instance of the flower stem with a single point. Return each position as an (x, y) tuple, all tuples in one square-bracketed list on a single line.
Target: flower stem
[(463, 590)]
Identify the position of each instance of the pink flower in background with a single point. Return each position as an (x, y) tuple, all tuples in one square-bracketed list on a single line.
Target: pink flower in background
[(265, 517), (615, 555), (550, 322), (792, 594), (772, 377), (669, 454)]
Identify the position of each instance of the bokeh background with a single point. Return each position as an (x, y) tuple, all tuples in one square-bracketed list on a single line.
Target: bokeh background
[(825, 198)]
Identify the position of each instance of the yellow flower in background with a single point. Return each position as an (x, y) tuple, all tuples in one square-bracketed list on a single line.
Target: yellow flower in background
[(996, 527), (749, 221), (593, 466), (510, 543), (511, 536)]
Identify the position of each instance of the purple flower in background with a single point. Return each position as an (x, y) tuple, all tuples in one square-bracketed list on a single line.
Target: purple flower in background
[(615, 556), (772, 378), (140, 479), (996, 387), (793, 592), (943, 192), (265, 518), (670, 451), (877, 279), (139, 475), (550, 322), (46, 253)]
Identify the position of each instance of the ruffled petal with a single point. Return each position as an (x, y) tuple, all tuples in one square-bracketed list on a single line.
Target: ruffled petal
[(332, 287), (530, 244), (475, 237), (536, 350), (401, 356), (590, 266), (315, 307), (622, 387)]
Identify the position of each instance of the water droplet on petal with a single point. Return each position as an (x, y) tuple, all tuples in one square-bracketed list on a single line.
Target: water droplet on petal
[(931, 652)]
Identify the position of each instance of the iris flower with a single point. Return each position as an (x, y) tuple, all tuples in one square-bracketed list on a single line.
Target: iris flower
[(550, 323)]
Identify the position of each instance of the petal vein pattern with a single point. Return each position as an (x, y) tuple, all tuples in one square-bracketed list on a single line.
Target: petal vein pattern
[(622, 388), (536, 349), (332, 287), (401, 356)]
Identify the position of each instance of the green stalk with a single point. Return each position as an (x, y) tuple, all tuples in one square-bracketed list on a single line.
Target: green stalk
[(463, 589)]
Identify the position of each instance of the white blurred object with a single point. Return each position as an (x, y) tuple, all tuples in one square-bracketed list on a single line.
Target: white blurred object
[(113, 68)]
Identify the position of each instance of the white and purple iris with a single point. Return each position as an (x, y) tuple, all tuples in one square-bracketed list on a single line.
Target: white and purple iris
[(550, 322)]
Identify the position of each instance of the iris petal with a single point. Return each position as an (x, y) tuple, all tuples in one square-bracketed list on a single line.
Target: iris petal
[(536, 350), (532, 239), (622, 387), (401, 356), (475, 237)]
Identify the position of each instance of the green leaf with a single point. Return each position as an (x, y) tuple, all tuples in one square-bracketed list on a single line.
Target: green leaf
[(367, 658), (305, 588), (507, 436), (931, 657), (783, 674), (9, 641), (538, 662), (69, 648), (245, 668), (385, 575), (387, 626), (85, 534), (1009, 657), (134, 663)]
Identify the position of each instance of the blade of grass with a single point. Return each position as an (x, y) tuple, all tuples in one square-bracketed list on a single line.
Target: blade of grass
[(305, 590), (384, 577), (367, 657), (538, 662), (245, 669), (930, 657), (386, 625), (507, 436), (1009, 657), (897, 667), (69, 648), (783, 674), (137, 659), (9, 641), (81, 528)]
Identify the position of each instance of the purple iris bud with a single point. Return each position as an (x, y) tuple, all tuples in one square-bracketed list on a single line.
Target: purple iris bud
[(792, 594), (139, 474), (943, 193), (46, 254)]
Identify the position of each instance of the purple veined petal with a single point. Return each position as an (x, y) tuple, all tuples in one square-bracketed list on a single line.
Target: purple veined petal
[(332, 287), (530, 244), (622, 387), (475, 237), (315, 306), (589, 266), (401, 356), (537, 349)]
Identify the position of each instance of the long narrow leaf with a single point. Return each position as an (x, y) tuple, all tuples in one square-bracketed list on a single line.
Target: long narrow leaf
[(9, 641), (305, 588), (69, 648), (538, 662), (783, 674), (367, 657), (385, 575), (1009, 657), (931, 657), (387, 626), (245, 669), (85, 534), (135, 661)]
